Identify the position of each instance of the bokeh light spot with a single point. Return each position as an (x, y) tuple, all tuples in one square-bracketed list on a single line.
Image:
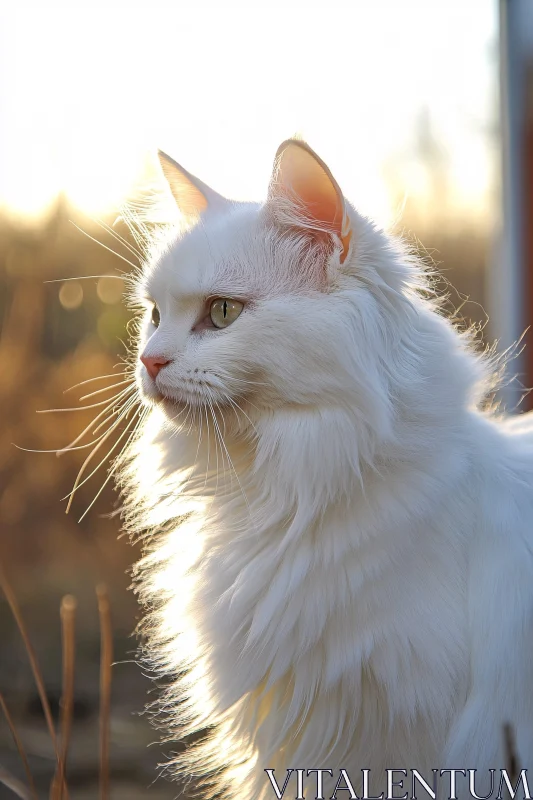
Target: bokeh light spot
[(71, 295), (110, 290)]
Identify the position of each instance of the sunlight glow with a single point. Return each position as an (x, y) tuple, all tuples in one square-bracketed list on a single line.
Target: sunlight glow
[(87, 91)]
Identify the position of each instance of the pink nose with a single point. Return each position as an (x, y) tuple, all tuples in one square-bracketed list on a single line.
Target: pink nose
[(154, 364)]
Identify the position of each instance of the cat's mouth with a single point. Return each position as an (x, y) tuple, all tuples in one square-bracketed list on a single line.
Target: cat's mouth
[(179, 397), (187, 408), (177, 407), (188, 397)]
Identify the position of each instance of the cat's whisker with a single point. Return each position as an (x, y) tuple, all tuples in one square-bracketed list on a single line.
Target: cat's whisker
[(112, 414), (107, 389), (237, 407), (178, 415), (226, 463), (109, 404), (71, 447), (235, 472), (74, 408), (206, 411), (118, 238), (199, 433), (138, 229), (99, 378), (78, 482), (30, 450), (175, 420), (116, 464), (77, 486), (196, 413), (221, 440), (190, 419), (234, 408), (216, 446), (232, 379), (109, 249), (113, 468), (208, 438), (191, 414), (83, 277), (216, 451)]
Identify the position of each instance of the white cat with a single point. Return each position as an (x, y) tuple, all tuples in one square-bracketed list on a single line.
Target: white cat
[(339, 568)]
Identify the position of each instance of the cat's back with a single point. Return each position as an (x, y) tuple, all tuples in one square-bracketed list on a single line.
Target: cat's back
[(501, 497), (514, 457), (505, 471), (500, 591), (520, 425)]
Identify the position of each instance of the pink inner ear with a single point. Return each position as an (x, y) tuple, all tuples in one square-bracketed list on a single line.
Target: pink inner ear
[(305, 177), (320, 201)]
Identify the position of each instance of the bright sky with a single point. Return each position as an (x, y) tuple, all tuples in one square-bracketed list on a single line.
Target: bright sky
[(86, 89)]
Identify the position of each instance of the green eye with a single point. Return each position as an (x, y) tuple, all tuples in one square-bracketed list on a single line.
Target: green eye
[(223, 312), (156, 316)]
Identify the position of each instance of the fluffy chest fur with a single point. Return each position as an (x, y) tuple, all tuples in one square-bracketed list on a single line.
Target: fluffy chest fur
[(335, 594), (320, 633)]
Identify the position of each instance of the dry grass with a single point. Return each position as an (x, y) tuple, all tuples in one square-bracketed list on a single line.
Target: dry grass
[(21, 751), (59, 788), (106, 660)]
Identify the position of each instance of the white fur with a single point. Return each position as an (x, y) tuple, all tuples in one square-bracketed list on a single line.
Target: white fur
[(340, 567)]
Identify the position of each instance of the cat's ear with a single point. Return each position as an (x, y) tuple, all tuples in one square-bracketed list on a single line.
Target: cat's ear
[(192, 195), (304, 194)]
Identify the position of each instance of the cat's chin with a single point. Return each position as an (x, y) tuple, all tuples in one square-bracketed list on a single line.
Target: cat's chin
[(177, 409)]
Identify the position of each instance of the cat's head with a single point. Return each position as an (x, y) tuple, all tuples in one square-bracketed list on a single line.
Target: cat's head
[(293, 303)]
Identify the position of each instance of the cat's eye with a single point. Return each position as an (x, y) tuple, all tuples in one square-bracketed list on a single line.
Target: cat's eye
[(223, 312), (156, 316)]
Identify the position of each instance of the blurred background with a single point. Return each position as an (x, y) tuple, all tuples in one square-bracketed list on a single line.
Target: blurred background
[(422, 109)]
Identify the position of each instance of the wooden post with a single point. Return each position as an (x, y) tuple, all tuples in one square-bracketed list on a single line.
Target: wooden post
[(528, 230)]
